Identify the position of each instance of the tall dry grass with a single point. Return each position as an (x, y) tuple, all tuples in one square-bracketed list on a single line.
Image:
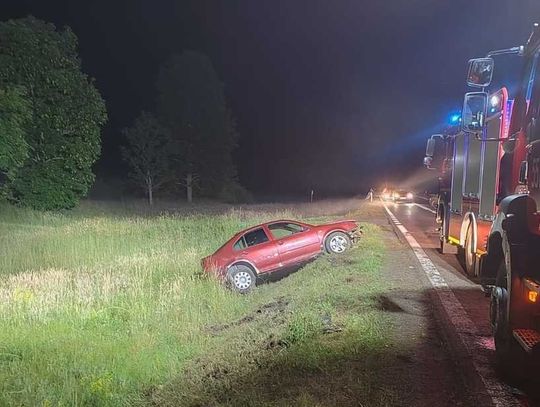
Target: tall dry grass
[(103, 303)]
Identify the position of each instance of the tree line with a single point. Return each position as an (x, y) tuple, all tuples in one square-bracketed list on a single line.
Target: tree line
[(189, 139), (52, 114)]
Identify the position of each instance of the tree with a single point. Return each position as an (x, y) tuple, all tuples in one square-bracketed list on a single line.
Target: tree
[(191, 103), (14, 115), (63, 133), (148, 154)]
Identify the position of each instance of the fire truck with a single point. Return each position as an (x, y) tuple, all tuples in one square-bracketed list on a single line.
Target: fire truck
[(490, 211)]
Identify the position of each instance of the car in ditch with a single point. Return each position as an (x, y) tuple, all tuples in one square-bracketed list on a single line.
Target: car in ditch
[(277, 245)]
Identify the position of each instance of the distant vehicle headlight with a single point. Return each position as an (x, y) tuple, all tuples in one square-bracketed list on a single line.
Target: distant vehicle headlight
[(409, 195)]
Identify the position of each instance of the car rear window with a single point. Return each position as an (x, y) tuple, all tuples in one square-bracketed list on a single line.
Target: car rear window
[(240, 244)]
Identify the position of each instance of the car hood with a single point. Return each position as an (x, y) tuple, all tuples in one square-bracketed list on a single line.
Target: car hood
[(349, 222)]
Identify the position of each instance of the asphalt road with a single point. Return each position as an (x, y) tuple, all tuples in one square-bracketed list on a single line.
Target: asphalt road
[(420, 222), (475, 347)]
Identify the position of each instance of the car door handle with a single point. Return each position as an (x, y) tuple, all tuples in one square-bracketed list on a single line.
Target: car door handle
[(244, 253), (280, 242)]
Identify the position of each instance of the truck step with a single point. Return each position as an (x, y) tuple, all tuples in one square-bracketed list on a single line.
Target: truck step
[(527, 338)]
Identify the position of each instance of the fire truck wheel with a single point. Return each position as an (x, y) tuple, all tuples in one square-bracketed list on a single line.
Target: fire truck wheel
[(470, 255), (442, 232), (506, 348)]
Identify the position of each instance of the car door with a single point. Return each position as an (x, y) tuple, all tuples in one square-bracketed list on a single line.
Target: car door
[(257, 247), (295, 242)]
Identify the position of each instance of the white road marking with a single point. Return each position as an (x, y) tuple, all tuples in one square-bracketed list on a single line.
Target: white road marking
[(426, 208), (468, 334)]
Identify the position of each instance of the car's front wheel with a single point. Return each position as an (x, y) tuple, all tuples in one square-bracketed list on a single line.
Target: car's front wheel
[(337, 243), (241, 278)]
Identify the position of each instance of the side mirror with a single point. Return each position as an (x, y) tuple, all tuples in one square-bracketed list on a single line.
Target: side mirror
[(474, 112), (435, 152), (430, 147), (480, 72), (523, 169)]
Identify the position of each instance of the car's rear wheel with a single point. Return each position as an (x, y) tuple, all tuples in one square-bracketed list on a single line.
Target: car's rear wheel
[(337, 243), (241, 278)]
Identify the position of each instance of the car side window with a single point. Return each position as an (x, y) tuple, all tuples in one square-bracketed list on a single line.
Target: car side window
[(255, 237), (284, 229)]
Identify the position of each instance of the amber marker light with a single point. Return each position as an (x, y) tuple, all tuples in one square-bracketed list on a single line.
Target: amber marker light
[(532, 288)]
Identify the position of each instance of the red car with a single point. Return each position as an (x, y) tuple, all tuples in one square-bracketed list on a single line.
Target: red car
[(274, 246)]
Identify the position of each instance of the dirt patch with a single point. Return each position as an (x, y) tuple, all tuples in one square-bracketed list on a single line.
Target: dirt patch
[(337, 260), (328, 326), (271, 309), (276, 343), (386, 304)]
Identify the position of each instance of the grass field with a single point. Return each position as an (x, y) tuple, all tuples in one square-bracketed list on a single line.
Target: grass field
[(106, 305)]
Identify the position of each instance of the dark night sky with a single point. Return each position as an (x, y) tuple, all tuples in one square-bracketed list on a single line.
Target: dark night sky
[(330, 94)]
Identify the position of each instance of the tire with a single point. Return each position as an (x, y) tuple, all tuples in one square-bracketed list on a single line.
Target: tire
[(470, 253), (506, 348), (337, 243), (241, 278), (442, 233)]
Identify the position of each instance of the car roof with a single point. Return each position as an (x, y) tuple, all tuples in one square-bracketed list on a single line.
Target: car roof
[(272, 222), (269, 223)]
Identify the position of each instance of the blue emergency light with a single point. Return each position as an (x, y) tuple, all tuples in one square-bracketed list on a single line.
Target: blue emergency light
[(455, 118)]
